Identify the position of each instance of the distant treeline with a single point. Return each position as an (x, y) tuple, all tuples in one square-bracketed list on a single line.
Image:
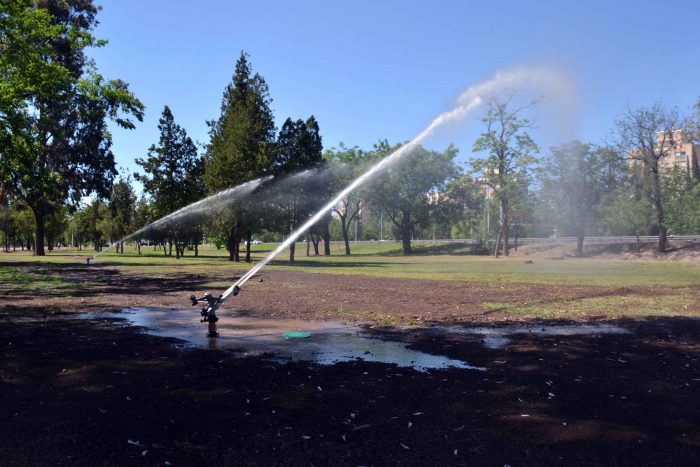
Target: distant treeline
[(55, 150)]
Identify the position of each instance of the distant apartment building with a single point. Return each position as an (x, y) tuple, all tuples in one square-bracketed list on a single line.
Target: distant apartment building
[(678, 151)]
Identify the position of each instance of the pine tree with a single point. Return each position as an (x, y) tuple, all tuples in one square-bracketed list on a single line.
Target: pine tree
[(173, 171), (241, 147)]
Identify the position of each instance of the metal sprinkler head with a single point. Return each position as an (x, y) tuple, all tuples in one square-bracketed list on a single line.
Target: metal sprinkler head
[(87, 260), (212, 304), (208, 312)]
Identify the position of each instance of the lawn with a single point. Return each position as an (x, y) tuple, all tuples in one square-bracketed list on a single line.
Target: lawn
[(385, 259), (613, 287)]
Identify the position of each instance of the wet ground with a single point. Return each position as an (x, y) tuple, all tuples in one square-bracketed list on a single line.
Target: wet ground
[(328, 342)]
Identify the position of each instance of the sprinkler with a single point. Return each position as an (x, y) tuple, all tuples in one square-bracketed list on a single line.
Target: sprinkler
[(212, 304)]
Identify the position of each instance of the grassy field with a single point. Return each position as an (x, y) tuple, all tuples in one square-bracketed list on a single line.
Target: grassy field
[(648, 287), (385, 259)]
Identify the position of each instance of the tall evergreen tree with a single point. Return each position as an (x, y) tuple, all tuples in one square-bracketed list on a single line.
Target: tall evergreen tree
[(241, 146), (299, 147), (173, 171)]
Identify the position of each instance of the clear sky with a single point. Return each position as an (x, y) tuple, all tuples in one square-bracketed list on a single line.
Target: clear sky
[(384, 69)]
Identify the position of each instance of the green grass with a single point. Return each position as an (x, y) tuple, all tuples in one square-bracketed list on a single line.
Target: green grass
[(13, 275), (609, 307), (635, 287), (385, 260)]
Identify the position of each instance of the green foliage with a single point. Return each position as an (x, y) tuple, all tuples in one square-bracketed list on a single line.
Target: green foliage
[(351, 163), (121, 211), (403, 191), (647, 134), (466, 205), (242, 138), (574, 180), (54, 107), (623, 213), (299, 148), (241, 147), (509, 161), (173, 169), (682, 202)]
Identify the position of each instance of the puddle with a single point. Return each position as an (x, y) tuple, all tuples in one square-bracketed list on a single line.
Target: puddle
[(329, 342), (495, 337)]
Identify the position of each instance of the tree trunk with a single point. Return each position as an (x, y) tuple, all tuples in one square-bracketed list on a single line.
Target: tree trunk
[(506, 214), (326, 239), (237, 243), (345, 228), (315, 240), (291, 251), (497, 247), (170, 246), (308, 244), (248, 239), (39, 236), (231, 241), (196, 248), (659, 207), (406, 240), (579, 244), (138, 246)]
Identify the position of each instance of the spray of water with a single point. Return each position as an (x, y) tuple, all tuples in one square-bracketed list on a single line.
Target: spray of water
[(201, 208), (545, 79), (262, 191)]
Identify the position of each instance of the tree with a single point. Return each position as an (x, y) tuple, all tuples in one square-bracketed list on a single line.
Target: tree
[(173, 172), (509, 160), (353, 162), (241, 146), (403, 191), (681, 201), (299, 148), (93, 223), (647, 134), (466, 199), (55, 106), (122, 206), (56, 224), (573, 182)]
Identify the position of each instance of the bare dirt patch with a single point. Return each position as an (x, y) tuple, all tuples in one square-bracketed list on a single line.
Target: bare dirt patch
[(678, 251), (295, 294), (94, 392)]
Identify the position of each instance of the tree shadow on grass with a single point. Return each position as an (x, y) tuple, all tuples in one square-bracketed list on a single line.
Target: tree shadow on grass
[(450, 249)]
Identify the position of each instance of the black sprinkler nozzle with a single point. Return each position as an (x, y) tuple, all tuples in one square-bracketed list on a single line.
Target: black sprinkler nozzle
[(194, 300), (236, 290)]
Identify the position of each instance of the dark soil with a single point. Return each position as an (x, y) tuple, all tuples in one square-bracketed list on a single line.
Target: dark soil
[(94, 392)]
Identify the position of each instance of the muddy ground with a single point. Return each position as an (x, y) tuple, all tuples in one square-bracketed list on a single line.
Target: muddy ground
[(95, 392)]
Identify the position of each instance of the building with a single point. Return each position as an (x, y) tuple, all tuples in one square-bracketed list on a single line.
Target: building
[(678, 151)]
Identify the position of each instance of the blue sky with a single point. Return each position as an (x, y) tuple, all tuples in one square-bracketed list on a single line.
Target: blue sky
[(384, 69)]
